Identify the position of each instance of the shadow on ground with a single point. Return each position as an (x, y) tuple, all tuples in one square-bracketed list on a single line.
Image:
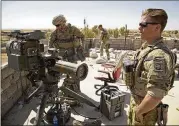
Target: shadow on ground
[(92, 113), (19, 115)]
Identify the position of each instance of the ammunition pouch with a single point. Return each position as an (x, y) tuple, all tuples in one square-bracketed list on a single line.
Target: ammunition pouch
[(128, 79), (80, 53), (66, 40), (66, 44), (128, 73), (105, 37), (139, 86), (66, 52), (162, 110), (72, 51)]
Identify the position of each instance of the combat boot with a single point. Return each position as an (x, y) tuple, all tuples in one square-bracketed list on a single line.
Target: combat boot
[(87, 123)]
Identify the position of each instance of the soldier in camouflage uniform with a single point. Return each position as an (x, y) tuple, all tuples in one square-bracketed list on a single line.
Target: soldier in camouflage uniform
[(153, 70), (104, 41), (67, 39)]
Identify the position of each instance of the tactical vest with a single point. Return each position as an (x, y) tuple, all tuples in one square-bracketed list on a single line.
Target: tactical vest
[(105, 36), (71, 42), (133, 75)]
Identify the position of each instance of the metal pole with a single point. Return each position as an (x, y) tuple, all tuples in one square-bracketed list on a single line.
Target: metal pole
[(84, 45), (85, 26), (125, 36)]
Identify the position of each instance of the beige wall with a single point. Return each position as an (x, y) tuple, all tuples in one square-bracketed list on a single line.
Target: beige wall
[(12, 84), (131, 44)]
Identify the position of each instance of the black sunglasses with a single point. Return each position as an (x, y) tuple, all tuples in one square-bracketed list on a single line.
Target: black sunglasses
[(57, 25), (144, 24)]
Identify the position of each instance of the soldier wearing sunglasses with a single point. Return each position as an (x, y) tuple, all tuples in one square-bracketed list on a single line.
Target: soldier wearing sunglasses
[(67, 39), (153, 73)]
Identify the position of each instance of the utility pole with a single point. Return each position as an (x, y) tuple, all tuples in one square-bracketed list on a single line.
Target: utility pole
[(84, 43), (125, 35), (85, 26), (84, 22)]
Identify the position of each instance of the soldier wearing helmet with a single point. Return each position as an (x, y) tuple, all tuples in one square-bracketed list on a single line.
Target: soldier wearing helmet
[(104, 41), (67, 39), (59, 19)]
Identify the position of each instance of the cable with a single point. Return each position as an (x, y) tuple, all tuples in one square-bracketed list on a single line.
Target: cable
[(87, 116)]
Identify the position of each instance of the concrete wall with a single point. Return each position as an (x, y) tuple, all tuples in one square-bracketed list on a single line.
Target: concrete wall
[(118, 43), (176, 44), (172, 43), (12, 84), (130, 44)]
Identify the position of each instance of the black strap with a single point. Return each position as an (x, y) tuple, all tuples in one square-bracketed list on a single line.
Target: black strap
[(141, 60), (165, 49)]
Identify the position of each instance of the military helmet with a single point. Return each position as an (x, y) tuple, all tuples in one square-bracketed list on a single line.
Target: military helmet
[(59, 19)]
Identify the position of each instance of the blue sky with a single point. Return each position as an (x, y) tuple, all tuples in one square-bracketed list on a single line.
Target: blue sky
[(112, 14)]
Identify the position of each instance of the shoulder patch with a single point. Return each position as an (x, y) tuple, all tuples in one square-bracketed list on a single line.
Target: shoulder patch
[(148, 58), (159, 64)]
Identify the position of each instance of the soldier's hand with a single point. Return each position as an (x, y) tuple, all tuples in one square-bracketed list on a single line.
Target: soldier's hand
[(139, 116)]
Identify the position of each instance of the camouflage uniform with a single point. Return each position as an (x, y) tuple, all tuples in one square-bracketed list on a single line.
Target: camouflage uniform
[(104, 43), (68, 40), (87, 123), (152, 75)]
